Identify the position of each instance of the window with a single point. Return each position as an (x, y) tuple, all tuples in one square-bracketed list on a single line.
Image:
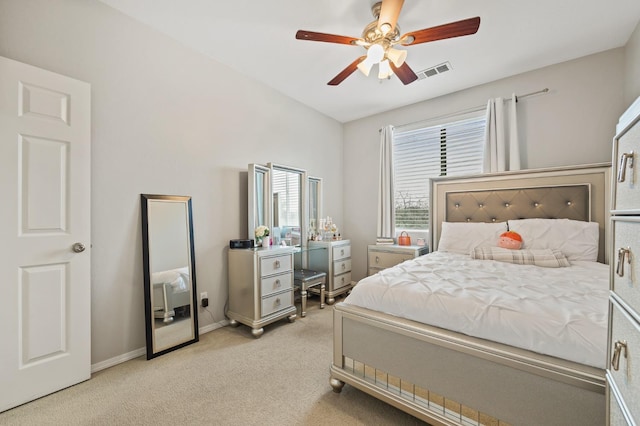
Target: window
[(447, 148)]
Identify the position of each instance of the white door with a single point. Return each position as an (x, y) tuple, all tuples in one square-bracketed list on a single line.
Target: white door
[(44, 211)]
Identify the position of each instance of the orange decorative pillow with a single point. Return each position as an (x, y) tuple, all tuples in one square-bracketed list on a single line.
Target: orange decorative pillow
[(510, 240)]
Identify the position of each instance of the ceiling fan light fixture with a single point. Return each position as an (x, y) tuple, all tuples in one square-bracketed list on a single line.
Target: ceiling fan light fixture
[(396, 56), (375, 53), (384, 70), (365, 67)]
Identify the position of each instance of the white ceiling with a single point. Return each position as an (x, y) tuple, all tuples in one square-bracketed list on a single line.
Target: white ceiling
[(257, 38)]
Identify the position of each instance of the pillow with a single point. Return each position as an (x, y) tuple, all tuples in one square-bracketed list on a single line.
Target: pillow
[(576, 239), (463, 237), (545, 257)]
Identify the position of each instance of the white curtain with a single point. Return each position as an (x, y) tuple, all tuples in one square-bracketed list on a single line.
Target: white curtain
[(501, 145), (386, 210)]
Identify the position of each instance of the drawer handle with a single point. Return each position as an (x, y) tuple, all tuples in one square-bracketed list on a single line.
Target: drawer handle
[(342, 252), (342, 280), (377, 260), (277, 264), (344, 266), (277, 302), (625, 158), (617, 348), (277, 284), (622, 252)]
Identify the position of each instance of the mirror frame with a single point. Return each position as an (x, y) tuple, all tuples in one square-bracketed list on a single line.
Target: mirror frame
[(254, 202), (148, 294), (318, 197)]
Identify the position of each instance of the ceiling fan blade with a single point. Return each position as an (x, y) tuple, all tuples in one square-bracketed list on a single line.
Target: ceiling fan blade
[(329, 38), (389, 12), (441, 32), (404, 73), (346, 72)]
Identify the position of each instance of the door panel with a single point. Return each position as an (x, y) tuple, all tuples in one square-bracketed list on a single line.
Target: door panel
[(45, 181)]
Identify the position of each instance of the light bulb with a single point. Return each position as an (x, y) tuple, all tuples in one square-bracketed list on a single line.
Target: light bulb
[(375, 53), (384, 69)]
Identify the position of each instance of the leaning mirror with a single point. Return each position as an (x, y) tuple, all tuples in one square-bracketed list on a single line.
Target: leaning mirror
[(169, 273), (259, 187)]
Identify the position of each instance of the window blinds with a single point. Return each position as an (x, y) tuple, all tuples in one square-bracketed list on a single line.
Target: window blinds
[(443, 149)]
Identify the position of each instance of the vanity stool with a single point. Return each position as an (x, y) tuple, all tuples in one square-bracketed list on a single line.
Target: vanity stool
[(304, 279)]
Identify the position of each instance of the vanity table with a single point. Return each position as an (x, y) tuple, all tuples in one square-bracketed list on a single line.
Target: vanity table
[(335, 260), (261, 287)]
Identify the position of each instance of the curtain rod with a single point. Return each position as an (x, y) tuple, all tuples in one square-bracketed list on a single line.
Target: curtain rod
[(473, 109)]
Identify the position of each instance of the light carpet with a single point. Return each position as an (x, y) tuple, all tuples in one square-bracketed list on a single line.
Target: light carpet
[(227, 378)]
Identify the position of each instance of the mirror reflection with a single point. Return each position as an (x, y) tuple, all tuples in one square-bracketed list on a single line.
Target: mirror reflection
[(169, 273), (315, 205), (259, 190), (287, 204)]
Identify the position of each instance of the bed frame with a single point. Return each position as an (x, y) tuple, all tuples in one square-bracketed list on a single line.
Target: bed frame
[(447, 378)]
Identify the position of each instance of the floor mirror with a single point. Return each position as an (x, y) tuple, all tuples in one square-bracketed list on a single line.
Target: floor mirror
[(169, 273)]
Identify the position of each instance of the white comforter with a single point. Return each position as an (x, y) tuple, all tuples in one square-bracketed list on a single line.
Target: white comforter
[(560, 312)]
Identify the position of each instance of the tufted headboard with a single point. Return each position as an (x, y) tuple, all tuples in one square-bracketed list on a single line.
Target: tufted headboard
[(577, 193)]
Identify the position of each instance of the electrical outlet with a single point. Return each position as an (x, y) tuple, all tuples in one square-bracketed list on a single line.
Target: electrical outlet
[(204, 299)]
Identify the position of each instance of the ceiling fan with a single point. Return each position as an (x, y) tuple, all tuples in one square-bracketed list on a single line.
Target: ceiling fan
[(381, 36)]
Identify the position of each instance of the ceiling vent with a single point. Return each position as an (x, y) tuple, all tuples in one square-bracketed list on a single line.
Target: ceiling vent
[(433, 71)]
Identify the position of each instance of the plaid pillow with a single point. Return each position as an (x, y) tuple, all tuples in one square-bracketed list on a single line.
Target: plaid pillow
[(548, 258)]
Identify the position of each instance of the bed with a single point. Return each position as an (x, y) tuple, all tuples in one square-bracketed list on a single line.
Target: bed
[(171, 291), (407, 353)]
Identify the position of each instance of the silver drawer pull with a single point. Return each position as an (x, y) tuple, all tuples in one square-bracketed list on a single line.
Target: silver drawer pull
[(342, 280), (277, 264), (344, 266), (625, 158), (277, 284), (617, 348), (622, 252), (277, 302), (377, 259), (342, 252)]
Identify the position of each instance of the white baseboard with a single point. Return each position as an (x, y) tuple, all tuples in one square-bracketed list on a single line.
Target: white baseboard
[(142, 351)]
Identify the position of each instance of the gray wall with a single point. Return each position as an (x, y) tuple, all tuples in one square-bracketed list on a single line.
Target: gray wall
[(573, 124), (165, 120)]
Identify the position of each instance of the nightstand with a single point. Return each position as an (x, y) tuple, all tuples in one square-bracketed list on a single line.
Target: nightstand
[(383, 256)]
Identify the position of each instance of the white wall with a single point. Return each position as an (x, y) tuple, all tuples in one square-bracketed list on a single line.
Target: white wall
[(632, 67), (573, 124), (165, 120)]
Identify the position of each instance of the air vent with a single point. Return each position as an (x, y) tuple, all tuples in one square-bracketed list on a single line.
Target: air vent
[(433, 71)]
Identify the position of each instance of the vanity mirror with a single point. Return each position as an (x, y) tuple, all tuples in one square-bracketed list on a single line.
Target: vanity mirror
[(315, 205), (277, 200), (169, 273)]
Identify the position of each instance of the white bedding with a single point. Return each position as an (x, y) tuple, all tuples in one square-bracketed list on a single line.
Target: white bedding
[(560, 312)]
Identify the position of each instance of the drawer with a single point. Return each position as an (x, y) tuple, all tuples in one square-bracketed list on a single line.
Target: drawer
[(341, 266), (342, 280), (627, 378), (626, 236), (275, 284), (275, 265), (276, 302), (617, 414), (386, 260), (341, 252), (627, 192)]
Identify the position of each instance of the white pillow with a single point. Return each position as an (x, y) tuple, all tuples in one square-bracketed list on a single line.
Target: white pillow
[(576, 239), (463, 237)]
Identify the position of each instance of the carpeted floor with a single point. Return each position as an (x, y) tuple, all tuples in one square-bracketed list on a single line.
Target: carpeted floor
[(228, 378)]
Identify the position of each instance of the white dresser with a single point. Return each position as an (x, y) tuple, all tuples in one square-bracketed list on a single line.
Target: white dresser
[(381, 256), (260, 287), (335, 260), (623, 368)]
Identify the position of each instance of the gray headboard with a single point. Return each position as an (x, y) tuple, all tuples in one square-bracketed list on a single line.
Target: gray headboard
[(578, 193)]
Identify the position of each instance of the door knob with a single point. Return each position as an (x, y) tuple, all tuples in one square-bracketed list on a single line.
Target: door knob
[(78, 247)]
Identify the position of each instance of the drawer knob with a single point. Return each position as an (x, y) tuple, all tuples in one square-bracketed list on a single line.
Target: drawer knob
[(277, 284), (618, 347), (625, 159), (277, 302), (277, 264), (377, 260), (344, 266), (622, 252), (342, 252)]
